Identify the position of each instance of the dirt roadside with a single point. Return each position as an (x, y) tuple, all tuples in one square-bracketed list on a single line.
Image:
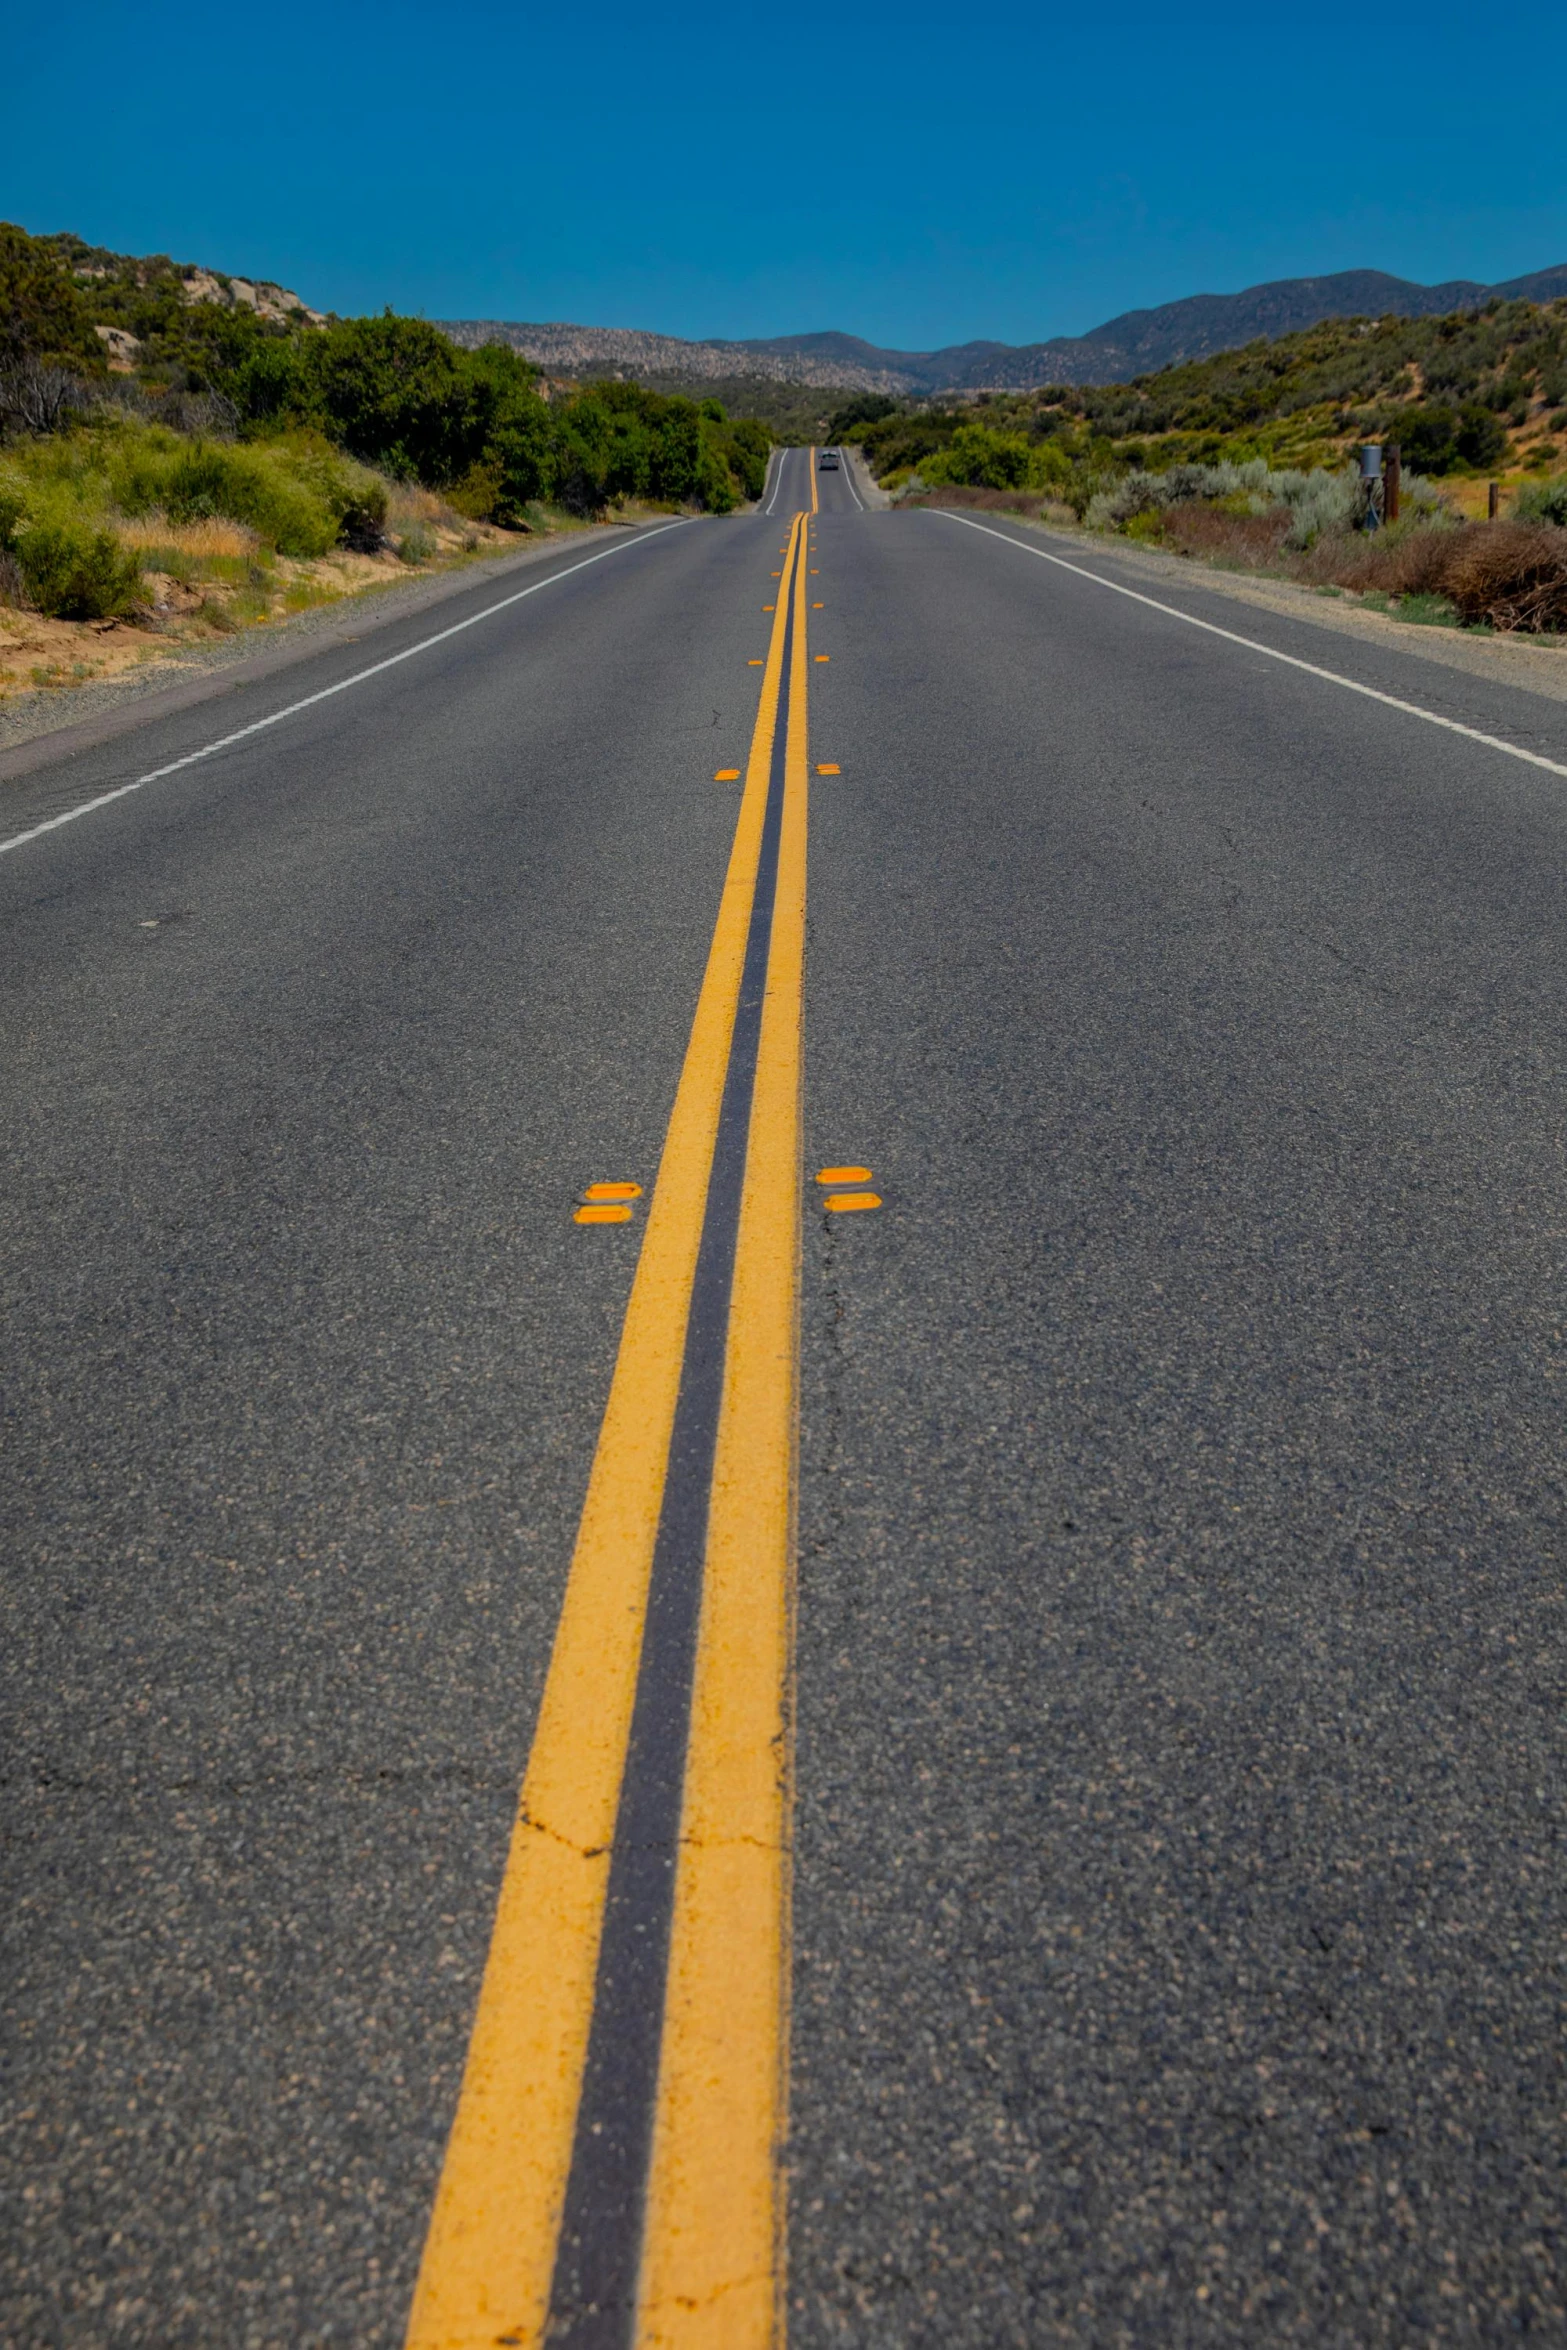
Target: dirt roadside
[(1506, 660), (52, 722)]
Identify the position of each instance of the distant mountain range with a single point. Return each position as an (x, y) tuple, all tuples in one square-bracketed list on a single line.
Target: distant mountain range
[(1136, 343)]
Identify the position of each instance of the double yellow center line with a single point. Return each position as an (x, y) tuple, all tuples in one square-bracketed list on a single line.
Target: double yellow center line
[(613, 2174)]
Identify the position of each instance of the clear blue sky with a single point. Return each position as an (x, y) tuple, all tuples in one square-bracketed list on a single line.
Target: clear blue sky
[(923, 179)]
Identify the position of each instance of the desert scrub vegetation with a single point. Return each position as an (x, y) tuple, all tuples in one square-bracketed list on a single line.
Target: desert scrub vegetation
[(307, 438), (1244, 459), (1508, 575), (1306, 506), (85, 333), (1477, 392), (83, 513)]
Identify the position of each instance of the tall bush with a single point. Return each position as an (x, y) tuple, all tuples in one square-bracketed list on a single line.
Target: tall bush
[(42, 315)]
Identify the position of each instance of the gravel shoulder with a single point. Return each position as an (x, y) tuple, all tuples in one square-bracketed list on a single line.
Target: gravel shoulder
[(1503, 660), (54, 722)]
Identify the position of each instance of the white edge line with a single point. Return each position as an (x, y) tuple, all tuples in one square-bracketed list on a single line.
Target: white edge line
[(848, 475), (291, 710), (778, 483), (1492, 742)]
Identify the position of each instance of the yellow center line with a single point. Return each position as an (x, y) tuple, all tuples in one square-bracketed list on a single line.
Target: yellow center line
[(489, 2256), (713, 2251), (810, 459)]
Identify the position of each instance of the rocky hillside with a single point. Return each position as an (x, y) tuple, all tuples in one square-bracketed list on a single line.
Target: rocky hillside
[(1136, 343), (112, 277)]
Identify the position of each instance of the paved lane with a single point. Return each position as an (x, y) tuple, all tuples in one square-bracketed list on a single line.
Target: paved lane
[(1177, 1904), (305, 1363)]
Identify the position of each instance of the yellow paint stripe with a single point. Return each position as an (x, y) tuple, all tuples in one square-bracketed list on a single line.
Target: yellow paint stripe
[(811, 461), (713, 2252), (490, 2253)]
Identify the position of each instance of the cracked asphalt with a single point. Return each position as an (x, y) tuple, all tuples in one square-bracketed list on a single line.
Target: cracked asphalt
[(1178, 1902)]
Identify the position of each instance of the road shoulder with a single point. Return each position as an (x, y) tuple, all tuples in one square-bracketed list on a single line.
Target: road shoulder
[(60, 725), (1505, 660)]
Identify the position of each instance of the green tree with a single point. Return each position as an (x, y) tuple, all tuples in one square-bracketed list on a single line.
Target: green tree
[(864, 408), (42, 315)]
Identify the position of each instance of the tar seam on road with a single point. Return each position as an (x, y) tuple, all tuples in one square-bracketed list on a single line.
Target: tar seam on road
[(713, 2255), (537, 2226), (594, 2294), (259, 725), (1492, 742)]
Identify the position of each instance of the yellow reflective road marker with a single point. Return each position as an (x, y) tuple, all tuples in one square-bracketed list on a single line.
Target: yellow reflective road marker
[(829, 770), (607, 1203), (842, 1203), (824, 656), (727, 775), (490, 2256), (757, 664)]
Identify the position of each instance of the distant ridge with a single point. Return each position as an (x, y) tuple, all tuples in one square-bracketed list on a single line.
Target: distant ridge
[(1136, 343)]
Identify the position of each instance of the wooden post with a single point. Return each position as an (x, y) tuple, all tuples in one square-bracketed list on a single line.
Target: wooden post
[(1392, 480), (1493, 504)]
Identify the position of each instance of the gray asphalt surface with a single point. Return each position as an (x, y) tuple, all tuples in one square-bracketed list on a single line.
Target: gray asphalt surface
[(1179, 1904)]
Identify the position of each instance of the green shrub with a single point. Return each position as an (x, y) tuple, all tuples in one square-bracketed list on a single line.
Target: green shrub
[(745, 447), (42, 315), (1481, 438), (480, 492), (248, 486), (1544, 501), (864, 408), (1435, 438), (620, 440), (977, 458), (74, 572), (1428, 437), (401, 395), (299, 494)]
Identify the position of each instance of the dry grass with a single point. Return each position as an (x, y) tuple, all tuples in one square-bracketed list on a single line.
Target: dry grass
[(1510, 576), (1250, 540), (198, 540), (1391, 562), (409, 507), (1032, 503), (1513, 574)]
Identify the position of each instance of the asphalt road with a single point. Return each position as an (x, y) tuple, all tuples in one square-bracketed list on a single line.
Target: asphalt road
[(1178, 1906)]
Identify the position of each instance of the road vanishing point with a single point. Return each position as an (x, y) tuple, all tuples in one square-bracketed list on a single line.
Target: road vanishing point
[(784, 1471)]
